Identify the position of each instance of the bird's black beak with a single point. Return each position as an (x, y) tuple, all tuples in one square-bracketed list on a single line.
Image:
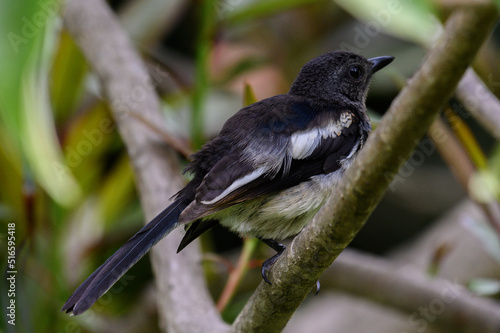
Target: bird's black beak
[(380, 62)]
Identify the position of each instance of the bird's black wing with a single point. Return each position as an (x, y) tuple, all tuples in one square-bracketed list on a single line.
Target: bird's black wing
[(330, 153), (310, 152)]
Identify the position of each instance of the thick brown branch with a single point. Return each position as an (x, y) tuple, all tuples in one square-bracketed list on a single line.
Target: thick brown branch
[(128, 88), (409, 117)]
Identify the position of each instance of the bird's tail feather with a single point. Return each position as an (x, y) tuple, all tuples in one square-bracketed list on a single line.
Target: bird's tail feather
[(125, 257)]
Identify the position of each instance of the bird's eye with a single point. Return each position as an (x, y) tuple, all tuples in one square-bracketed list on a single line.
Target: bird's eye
[(356, 72)]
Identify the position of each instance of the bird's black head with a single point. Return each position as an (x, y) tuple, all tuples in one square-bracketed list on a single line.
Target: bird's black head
[(337, 74)]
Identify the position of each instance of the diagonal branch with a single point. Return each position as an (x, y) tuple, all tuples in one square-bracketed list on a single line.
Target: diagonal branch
[(363, 186), (129, 90), (410, 290), (480, 102)]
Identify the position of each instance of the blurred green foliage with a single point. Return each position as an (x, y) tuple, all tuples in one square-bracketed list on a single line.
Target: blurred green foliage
[(66, 181)]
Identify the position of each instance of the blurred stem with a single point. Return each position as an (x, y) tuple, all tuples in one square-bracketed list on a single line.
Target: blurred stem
[(467, 139), (237, 274), (207, 20), (452, 152), (459, 158), (477, 157)]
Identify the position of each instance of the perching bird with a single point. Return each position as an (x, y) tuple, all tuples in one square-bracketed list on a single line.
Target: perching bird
[(269, 170)]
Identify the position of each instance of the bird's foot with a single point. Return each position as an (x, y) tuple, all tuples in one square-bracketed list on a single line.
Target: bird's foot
[(266, 266), (318, 287)]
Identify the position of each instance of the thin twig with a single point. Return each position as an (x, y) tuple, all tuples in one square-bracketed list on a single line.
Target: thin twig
[(235, 275), (173, 142)]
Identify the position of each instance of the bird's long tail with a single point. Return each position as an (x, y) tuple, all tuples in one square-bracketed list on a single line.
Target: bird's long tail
[(125, 257)]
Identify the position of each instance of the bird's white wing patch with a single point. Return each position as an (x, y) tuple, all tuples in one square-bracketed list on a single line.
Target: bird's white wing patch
[(304, 143), (237, 184)]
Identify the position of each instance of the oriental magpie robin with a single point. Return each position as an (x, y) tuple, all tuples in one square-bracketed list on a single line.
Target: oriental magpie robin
[(268, 171)]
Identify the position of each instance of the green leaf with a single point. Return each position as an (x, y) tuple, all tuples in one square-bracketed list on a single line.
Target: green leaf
[(484, 186), (237, 11), (24, 102), (494, 163), (12, 206), (203, 47), (117, 191), (497, 2), (408, 20), (68, 66), (484, 287), (248, 95)]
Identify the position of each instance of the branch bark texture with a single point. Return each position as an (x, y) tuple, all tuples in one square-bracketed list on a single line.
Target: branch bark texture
[(333, 228), (183, 299)]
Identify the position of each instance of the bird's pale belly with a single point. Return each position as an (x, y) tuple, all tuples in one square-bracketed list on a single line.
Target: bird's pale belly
[(282, 215)]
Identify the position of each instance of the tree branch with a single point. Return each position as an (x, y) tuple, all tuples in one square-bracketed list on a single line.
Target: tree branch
[(129, 90), (481, 103), (410, 290), (363, 186)]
